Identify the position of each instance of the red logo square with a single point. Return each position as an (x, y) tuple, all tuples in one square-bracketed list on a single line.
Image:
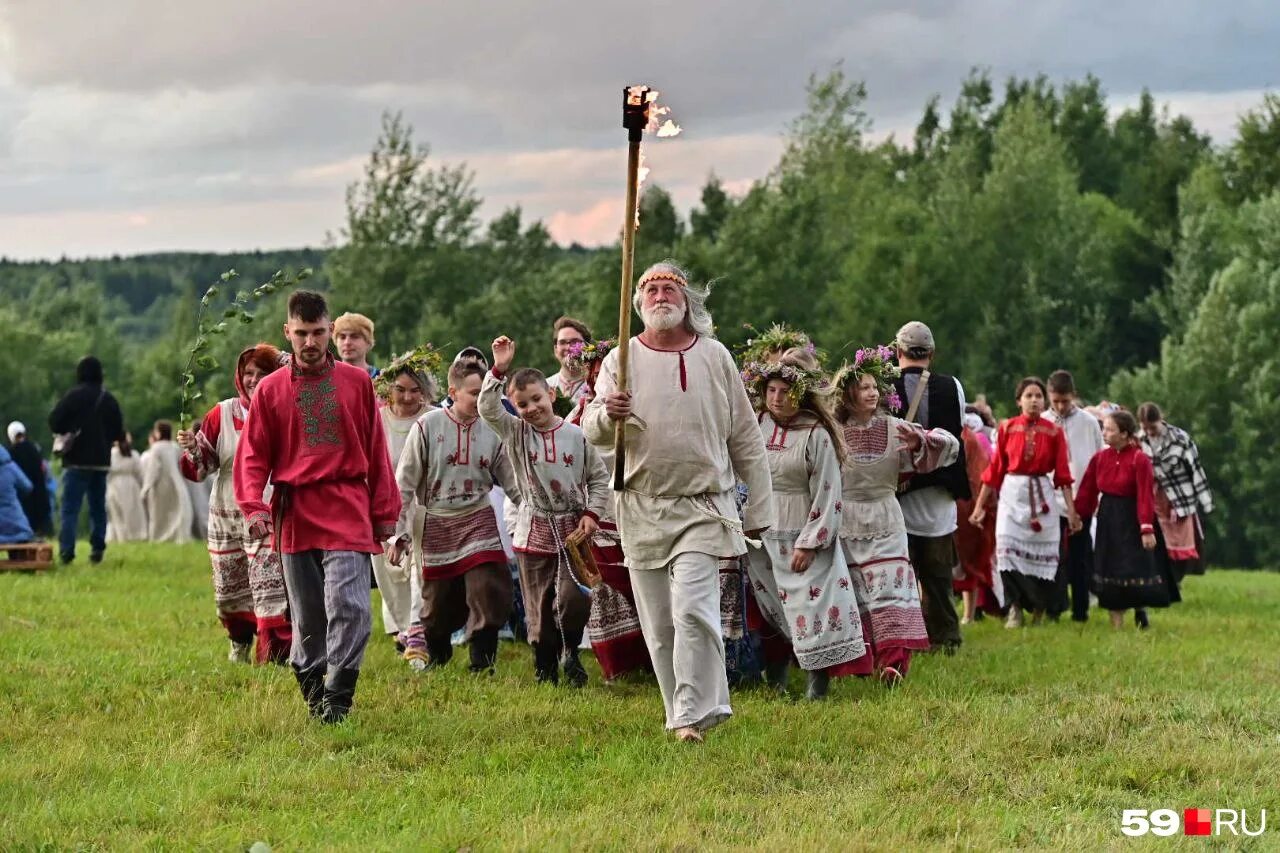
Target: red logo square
[(1197, 821)]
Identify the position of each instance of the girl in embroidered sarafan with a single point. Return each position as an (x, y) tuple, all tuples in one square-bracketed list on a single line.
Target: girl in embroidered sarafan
[(448, 466), (248, 581), (799, 579), (1118, 483), (1028, 450), (879, 448), (408, 386), (614, 625), (564, 489)]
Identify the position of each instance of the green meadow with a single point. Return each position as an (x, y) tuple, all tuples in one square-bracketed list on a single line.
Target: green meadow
[(123, 726)]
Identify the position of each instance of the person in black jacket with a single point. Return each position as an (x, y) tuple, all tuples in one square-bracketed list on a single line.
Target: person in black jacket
[(35, 504), (929, 500), (93, 414)]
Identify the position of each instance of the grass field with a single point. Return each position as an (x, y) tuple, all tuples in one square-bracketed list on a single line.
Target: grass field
[(122, 725)]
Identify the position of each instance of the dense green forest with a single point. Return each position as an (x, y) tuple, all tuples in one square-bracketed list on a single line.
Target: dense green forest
[(1032, 226)]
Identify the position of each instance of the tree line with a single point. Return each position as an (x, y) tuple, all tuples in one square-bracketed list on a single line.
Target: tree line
[(1032, 226)]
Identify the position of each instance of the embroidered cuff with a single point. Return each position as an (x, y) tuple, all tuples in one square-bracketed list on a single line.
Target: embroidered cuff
[(383, 532), (592, 516), (260, 515)]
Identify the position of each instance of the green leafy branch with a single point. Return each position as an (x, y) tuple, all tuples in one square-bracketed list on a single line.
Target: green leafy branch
[(235, 314)]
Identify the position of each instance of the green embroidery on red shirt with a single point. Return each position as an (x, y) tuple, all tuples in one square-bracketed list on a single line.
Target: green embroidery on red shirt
[(318, 403)]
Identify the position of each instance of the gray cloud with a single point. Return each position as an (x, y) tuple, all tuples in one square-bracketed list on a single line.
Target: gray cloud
[(144, 103)]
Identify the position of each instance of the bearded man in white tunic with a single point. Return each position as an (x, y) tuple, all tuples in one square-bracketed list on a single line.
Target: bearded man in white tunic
[(691, 435)]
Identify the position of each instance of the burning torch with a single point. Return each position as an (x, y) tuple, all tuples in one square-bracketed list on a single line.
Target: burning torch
[(640, 112)]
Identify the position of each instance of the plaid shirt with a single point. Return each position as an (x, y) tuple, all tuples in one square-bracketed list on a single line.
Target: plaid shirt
[(1178, 471)]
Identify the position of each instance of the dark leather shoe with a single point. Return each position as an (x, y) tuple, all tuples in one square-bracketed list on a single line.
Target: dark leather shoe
[(574, 672), (776, 674), (484, 651), (311, 683), (339, 694)]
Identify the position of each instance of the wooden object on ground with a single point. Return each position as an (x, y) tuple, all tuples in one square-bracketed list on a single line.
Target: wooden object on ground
[(27, 557)]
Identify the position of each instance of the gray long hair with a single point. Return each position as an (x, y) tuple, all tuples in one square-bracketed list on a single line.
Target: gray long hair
[(697, 319)]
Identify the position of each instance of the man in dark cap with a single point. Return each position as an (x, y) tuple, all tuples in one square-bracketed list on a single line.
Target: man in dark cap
[(933, 400)]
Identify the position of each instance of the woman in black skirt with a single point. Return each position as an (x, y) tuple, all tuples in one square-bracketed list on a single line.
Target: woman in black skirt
[(1120, 484)]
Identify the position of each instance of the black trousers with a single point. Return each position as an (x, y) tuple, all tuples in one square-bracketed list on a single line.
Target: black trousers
[(1075, 569), (934, 559)]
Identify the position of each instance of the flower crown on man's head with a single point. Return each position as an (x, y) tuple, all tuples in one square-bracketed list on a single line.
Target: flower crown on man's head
[(757, 374), (422, 361), (877, 362), (584, 353), (778, 338)]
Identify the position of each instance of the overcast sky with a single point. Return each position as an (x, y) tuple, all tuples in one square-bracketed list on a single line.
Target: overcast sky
[(140, 125)]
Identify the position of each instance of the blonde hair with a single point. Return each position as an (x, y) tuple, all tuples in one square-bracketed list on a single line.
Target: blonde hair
[(357, 323), (813, 402)]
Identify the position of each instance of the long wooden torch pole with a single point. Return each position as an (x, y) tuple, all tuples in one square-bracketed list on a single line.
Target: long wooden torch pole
[(624, 304)]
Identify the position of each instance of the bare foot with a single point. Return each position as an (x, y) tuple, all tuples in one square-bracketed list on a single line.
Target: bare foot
[(689, 734)]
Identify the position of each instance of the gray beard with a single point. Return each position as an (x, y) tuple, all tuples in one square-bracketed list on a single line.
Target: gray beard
[(661, 321)]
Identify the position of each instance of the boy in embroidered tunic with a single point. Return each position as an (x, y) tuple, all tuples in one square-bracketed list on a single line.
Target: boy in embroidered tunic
[(564, 488), (449, 465), (313, 432)]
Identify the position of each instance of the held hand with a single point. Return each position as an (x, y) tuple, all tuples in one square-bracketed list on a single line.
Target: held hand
[(1074, 524), (1149, 541), (801, 559), (618, 405), (756, 533), (259, 531), (909, 437), (978, 516), (186, 439), (395, 552), (587, 528), (504, 351)]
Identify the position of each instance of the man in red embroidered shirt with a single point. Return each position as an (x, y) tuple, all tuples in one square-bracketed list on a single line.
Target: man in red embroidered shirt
[(313, 432)]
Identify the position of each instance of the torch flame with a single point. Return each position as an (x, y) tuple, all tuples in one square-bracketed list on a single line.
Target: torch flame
[(663, 129), (659, 125)]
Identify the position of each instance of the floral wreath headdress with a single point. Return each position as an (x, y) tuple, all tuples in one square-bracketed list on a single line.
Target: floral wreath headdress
[(874, 361), (756, 375), (582, 354), (422, 361), (778, 338)]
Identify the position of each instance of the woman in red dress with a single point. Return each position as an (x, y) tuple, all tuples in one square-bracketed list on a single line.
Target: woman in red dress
[(1029, 449), (1119, 484)]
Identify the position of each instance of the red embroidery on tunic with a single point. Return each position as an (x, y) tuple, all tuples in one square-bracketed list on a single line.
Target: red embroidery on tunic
[(869, 442), (684, 377), (549, 453)]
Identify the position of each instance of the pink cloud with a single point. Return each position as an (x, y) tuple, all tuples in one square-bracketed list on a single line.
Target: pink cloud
[(593, 226)]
